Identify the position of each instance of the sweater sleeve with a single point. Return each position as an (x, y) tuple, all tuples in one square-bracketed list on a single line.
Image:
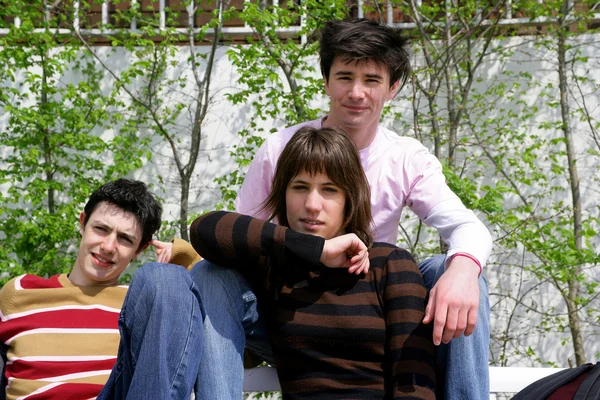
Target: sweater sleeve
[(239, 241), (184, 254), (409, 344)]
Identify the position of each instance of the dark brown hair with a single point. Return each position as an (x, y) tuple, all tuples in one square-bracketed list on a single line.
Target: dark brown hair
[(329, 151), (359, 39), (131, 196)]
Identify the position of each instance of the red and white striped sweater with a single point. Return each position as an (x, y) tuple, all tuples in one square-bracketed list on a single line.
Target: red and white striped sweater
[(62, 339)]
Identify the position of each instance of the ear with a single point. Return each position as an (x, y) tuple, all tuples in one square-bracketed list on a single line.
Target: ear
[(81, 219), (393, 90), (326, 84), (137, 253)]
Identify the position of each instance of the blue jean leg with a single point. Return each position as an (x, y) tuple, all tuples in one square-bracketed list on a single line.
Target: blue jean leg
[(463, 363), (231, 322), (161, 346)]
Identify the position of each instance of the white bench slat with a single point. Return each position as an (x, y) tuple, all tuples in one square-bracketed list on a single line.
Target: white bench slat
[(502, 379), (515, 379)]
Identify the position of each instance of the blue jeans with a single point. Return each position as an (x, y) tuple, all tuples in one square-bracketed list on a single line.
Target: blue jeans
[(232, 322), (161, 343), (462, 365)]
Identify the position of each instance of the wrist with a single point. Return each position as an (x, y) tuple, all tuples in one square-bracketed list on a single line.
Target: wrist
[(475, 261)]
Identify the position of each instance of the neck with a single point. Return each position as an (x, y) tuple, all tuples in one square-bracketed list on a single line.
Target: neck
[(362, 137)]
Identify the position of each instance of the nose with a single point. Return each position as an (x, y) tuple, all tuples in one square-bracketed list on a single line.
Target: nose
[(109, 244), (356, 90), (313, 201)]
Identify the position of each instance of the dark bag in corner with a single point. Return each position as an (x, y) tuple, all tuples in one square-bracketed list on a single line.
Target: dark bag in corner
[(581, 383)]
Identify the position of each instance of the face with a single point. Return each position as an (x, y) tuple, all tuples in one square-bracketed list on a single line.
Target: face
[(357, 93), (315, 205), (109, 242)]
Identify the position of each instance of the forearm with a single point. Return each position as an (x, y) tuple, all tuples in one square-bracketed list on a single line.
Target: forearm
[(461, 230), (232, 240)]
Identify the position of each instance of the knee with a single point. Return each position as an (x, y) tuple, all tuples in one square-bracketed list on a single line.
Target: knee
[(222, 288), (210, 276), (159, 279)]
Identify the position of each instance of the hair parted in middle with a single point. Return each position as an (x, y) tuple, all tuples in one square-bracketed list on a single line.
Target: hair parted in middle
[(332, 152)]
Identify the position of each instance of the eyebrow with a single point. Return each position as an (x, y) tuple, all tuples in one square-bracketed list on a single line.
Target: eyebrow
[(133, 238), (349, 73), (328, 183)]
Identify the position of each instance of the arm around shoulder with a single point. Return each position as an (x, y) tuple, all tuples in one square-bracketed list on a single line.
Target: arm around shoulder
[(240, 241)]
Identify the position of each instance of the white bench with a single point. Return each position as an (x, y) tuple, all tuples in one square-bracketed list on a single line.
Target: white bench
[(502, 379)]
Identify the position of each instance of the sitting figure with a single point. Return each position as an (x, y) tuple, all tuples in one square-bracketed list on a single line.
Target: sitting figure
[(355, 332), (61, 333)]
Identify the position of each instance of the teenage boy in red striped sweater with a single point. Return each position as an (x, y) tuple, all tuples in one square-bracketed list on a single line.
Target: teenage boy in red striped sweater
[(61, 333)]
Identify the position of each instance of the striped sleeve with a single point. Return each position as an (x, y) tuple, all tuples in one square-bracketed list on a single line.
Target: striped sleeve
[(409, 346), (238, 241)]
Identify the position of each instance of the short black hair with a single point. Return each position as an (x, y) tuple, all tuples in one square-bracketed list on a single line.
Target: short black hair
[(131, 196), (358, 39)]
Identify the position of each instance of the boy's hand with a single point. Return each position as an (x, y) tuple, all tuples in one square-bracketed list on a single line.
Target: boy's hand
[(454, 301), (346, 251), (163, 250)]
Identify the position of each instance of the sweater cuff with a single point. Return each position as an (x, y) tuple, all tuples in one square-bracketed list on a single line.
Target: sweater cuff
[(184, 254)]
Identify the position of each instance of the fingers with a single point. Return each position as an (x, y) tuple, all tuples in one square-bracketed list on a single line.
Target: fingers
[(164, 257), (471, 320), (158, 244), (439, 324), (461, 323), (430, 309), (452, 317), (163, 250), (450, 322), (359, 264)]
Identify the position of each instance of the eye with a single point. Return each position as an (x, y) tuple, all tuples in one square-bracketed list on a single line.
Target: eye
[(331, 189), (298, 187), (100, 228), (126, 240)]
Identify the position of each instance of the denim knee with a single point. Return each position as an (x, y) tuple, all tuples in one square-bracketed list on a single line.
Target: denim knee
[(162, 279), (210, 277)]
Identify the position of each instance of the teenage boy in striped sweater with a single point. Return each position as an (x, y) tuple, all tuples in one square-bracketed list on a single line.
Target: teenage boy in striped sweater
[(61, 333)]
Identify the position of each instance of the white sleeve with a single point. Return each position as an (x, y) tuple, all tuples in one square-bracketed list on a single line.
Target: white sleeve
[(257, 184), (438, 206)]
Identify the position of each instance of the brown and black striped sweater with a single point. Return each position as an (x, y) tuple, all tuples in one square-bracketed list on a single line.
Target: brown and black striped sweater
[(335, 335)]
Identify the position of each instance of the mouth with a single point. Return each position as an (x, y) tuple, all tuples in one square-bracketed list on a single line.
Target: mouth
[(311, 223), (101, 261), (356, 108)]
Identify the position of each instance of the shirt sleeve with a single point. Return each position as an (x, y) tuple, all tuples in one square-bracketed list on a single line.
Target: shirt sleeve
[(409, 345), (242, 242), (438, 206), (257, 184)]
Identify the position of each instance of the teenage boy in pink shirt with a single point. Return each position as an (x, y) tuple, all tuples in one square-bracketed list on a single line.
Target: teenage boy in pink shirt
[(364, 64)]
